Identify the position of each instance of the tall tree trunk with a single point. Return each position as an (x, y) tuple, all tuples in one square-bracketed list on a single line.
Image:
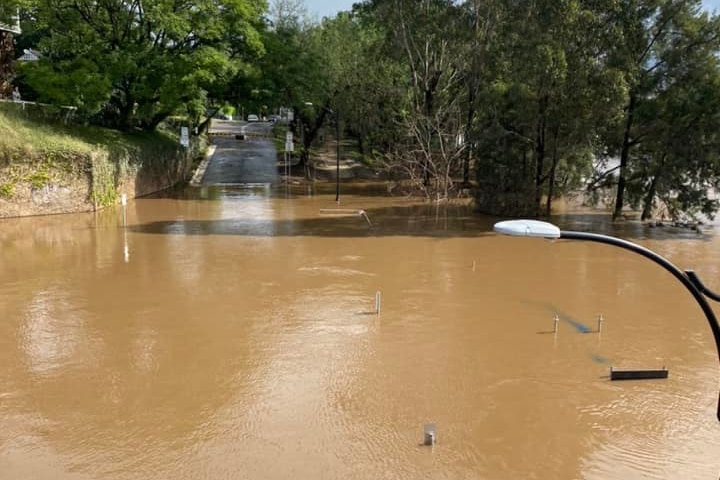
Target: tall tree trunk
[(7, 59), (551, 175), (468, 149), (540, 154), (428, 110), (624, 156), (649, 199), (126, 106)]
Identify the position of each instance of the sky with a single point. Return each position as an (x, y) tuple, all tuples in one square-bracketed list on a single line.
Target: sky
[(329, 8)]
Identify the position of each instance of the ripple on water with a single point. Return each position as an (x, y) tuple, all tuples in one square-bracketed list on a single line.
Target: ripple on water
[(336, 271)]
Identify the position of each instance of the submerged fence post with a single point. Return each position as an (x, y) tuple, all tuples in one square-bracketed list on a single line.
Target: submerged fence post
[(377, 302), (600, 322), (556, 320)]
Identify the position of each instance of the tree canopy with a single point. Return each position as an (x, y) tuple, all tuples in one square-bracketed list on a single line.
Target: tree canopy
[(133, 63), (522, 101)]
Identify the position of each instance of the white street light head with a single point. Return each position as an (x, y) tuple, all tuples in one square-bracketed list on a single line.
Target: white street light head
[(527, 228)]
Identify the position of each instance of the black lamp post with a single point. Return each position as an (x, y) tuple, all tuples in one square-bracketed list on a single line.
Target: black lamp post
[(688, 278)]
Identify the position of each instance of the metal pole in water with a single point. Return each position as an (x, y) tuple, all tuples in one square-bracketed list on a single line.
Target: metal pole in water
[(430, 431), (377, 302), (600, 322), (123, 201), (556, 320)]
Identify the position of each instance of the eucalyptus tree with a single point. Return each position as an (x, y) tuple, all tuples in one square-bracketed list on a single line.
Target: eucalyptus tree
[(649, 36), (480, 24), (421, 36), (549, 93), (292, 73), (367, 86), (133, 63), (674, 165)]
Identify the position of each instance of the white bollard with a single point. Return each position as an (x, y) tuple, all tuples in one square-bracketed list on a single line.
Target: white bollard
[(377, 302), (430, 434), (556, 320), (123, 201)]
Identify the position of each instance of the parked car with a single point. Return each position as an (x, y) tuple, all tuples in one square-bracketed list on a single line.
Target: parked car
[(253, 118)]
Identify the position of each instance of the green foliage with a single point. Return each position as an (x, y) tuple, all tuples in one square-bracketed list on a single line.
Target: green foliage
[(7, 189), (132, 64), (543, 93), (38, 152)]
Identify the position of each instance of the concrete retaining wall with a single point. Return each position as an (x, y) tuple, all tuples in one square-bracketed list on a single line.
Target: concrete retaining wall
[(85, 182)]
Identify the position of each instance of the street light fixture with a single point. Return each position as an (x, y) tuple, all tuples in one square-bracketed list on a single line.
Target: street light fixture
[(689, 279), (335, 114)]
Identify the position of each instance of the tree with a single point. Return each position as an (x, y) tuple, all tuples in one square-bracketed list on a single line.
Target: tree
[(9, 23), (675, 157), (650, 35), (547, 94), (367, 85), (140, 61), (419, 36)]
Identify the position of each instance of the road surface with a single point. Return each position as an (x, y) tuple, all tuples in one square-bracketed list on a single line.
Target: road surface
[(249, 161)]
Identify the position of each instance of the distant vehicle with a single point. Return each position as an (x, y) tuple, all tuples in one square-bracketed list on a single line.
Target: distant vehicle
[(274, 118), (253, 118)]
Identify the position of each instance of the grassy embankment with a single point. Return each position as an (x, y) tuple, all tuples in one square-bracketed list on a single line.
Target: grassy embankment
[(39, 149)]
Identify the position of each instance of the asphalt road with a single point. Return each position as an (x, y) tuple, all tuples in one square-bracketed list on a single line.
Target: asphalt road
[(241, 161)]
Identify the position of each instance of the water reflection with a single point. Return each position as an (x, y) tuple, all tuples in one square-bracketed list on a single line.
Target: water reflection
[(53, 334), (239, 340)]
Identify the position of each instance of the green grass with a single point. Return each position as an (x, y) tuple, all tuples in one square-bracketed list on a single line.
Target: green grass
[(23, 136), (38, 148)]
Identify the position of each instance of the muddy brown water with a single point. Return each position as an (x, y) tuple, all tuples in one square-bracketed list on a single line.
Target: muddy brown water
[(230, 333)]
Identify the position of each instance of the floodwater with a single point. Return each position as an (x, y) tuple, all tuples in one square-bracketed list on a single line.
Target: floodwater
[(231, 333)]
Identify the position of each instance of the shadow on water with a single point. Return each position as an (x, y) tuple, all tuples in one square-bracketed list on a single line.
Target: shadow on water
[(390, 221), (601, 222), (414, 220), (222, 192)]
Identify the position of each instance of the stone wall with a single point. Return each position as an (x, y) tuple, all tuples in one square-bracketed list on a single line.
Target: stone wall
[(85, 182)]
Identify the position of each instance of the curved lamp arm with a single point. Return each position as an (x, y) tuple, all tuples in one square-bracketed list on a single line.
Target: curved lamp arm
[(692, 276)]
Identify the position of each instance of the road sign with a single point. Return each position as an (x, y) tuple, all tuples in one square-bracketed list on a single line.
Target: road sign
[(288, 136), (289, 146), (184, 137)]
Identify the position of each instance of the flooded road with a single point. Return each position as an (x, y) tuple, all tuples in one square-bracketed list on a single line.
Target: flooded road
[(231, 333), (249, 161)]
